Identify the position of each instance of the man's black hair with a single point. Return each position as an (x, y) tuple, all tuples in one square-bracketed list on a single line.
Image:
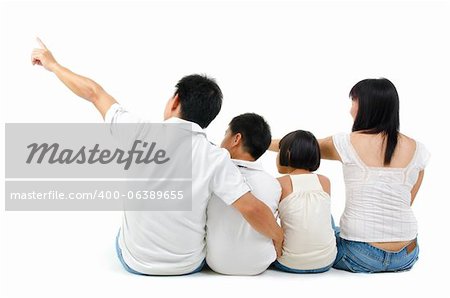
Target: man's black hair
[(200, 99)]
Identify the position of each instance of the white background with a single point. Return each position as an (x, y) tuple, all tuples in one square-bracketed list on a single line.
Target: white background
[(293, 63)]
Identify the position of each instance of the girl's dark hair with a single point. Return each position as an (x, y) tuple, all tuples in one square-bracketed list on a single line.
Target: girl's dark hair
[(378, 111), (300, 150)]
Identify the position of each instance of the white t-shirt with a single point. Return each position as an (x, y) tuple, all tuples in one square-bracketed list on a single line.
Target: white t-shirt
[(173, 242), (233, 246)]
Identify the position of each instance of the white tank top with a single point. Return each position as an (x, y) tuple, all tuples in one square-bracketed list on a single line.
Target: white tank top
[(309, 241), (378, 199)]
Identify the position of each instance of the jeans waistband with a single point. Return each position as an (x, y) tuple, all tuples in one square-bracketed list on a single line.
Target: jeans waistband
[(378, 253)]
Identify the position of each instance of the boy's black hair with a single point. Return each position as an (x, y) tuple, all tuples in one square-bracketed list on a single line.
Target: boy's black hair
[(255, 131)]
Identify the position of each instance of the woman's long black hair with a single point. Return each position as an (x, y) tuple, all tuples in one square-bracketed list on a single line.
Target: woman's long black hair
[(378, 111)]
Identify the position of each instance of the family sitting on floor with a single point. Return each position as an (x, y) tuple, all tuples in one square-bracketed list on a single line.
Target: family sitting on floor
[(233, 227)]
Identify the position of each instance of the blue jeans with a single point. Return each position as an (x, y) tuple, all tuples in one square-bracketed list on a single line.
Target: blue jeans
[(122, 261), (357, 256), (281, 267)]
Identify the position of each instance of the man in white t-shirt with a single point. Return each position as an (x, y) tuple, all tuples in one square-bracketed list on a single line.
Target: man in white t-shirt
[(233, 245), (173, 242)]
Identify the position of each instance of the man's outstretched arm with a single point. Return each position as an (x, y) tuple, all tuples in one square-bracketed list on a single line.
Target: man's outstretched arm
[(81, 86)]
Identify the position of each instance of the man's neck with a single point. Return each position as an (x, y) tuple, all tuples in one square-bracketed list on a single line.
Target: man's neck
[(243, 156)]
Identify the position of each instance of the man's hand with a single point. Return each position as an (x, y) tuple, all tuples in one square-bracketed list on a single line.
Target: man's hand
[(43, 57), (278, 243), (81, 86)]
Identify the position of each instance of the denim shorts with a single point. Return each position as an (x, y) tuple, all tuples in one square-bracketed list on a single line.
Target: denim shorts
[(281, 267), (357, 256), (127, 268)]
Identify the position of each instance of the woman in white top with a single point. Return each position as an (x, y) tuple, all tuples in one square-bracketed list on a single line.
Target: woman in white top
[(383, 170), (309, 241)]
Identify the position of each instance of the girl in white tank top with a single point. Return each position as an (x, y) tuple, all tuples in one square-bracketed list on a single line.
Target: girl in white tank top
[(304, 209)]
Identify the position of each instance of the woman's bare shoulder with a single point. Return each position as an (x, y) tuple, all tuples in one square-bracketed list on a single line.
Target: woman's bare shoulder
[(405, 138), (406, 145)]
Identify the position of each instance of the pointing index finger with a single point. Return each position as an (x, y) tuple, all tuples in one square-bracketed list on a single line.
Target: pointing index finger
[(41, 43)]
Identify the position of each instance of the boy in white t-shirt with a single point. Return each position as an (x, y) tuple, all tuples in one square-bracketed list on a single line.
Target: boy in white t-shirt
[(233, 246), (173, 242)]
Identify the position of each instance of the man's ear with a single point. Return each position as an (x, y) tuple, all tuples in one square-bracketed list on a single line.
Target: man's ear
[(237, 139), (176, 102)]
